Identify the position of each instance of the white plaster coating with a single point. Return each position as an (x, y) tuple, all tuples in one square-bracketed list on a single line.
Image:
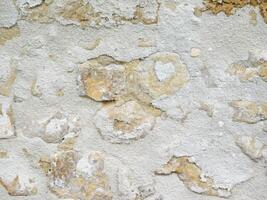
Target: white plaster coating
[(48, 54), (9, 14), (164, 71)]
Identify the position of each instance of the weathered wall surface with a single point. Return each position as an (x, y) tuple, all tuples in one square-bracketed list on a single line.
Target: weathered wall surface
[(133, 100)]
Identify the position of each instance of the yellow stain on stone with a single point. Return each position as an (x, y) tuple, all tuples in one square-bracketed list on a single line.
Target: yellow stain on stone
[(7, 34), (190, 174)]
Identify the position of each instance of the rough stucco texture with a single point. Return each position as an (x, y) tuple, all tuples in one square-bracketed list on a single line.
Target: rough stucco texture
[(133, 99)]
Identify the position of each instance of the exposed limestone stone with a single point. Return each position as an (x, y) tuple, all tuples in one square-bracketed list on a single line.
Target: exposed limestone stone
[(195, 52), (91, 45), (6, 121), (35, 89), (171, 5), (159, 74), (19, 186), (192, 176), (3, 153), (75, 12), (103, 78), (229, 6), (146, 12), (208, 108), (106, 79), (145, 43), (249, 112), (242, 71), (256, 65), (55, 129), (38, 12), (79, 178), (251, 146), (198, 12), (253, 17), (9, 14), (123, 122), (8, 34), (7, 76), (91, 13)]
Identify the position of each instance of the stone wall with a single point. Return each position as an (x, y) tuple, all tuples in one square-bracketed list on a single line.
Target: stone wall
[(133, 99)]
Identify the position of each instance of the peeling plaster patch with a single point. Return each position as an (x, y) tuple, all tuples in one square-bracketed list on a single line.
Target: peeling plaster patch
[(249, 111), (123, 123), (9, 14), (191, 175), (251, 146), (229, 6), (55, 129), (6, 121), (7, 34)]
